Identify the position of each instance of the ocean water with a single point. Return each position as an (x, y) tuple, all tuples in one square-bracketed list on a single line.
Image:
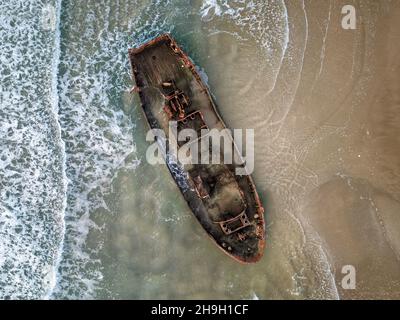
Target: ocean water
[(83, 215), (33, 184)]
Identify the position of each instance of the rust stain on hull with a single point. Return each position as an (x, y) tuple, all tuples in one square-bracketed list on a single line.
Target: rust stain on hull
[(226, 205)]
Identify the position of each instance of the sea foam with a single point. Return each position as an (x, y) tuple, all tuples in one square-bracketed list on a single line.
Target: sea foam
[(32, 184)]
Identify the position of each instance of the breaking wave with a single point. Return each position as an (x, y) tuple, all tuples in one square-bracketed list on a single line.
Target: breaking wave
[(32, 180)]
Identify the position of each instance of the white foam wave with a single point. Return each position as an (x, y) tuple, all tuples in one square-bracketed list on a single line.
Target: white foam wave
[(51, 275), (98, 137), (32, 185)]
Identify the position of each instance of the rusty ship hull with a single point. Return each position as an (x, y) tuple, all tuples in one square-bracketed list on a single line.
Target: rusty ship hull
[(226, 205)]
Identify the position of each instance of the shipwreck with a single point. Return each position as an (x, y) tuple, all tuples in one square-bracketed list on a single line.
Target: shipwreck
[(227, 205)]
